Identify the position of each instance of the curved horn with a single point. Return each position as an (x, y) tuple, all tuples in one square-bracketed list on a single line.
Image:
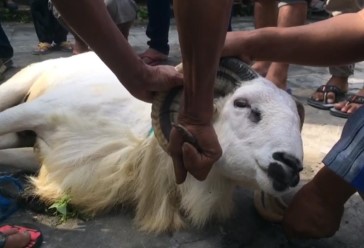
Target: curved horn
[(231, 74)]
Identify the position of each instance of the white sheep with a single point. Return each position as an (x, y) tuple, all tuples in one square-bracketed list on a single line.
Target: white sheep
[(95, 145)]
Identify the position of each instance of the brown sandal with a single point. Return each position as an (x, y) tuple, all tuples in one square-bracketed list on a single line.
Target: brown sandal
[(325, 89)]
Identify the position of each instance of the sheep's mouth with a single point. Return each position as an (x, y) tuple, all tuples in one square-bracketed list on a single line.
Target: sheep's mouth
[(261, 167), (281, 180)]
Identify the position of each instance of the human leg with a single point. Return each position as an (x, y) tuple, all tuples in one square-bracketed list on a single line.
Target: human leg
[(159, 14), (291, 13), (265, 15), (344, 108), (334, 89), (59, 35), (125, 28), (6, 51), (123, 13), (41, 20)]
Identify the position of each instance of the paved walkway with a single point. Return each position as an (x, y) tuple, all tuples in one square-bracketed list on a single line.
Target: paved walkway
[(246, 228)]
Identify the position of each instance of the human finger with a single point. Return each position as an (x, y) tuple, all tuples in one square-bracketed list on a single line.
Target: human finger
[(196, 163)]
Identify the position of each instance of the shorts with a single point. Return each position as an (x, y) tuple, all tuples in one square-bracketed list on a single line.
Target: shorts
[(121, 11), (344, 6), (346, 158), (289, 2)]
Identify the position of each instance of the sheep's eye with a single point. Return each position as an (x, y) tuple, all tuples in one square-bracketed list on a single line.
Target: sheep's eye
[(255, 116), (241, 103)]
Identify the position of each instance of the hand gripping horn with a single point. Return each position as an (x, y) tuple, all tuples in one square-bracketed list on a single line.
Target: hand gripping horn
[(231, 73)]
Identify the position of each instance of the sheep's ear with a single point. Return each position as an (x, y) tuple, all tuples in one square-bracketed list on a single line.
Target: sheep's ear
[(301, 112)]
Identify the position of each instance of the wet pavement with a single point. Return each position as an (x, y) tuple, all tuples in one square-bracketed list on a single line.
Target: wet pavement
[(245, 228)]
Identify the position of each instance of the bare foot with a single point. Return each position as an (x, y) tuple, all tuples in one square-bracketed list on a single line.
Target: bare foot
[(16, 239), (153, 57)]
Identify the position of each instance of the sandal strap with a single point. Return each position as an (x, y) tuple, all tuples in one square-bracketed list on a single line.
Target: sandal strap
[(331, 88), (355, 99), (325, 89)]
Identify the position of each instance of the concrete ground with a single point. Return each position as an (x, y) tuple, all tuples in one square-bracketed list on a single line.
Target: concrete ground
[(245, 228)]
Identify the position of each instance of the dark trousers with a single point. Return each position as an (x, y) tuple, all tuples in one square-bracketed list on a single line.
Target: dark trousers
[(6, 50), (159, 15), (46, 25)]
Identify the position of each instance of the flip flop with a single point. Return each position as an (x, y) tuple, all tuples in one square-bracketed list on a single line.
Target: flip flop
[(351, 99), (325, 89), (36, 237)]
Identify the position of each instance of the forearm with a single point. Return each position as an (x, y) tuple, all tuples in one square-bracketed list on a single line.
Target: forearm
[(202, 26), (332, 187), (334, 41), (91, 21)]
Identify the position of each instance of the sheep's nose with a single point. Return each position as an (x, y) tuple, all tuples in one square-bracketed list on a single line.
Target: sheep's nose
[(283, 178), (289, 160)]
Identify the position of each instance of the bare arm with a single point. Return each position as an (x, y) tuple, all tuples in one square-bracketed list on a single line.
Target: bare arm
[(316, 210), (91, 21), (202, 26), (338, 40)]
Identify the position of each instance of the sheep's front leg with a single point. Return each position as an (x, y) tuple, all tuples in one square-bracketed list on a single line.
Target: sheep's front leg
[(13, 91), (26, 116), (20, 158), (16, 140)]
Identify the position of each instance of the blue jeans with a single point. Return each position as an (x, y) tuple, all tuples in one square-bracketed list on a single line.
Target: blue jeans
[(159, 15), (346, 158)]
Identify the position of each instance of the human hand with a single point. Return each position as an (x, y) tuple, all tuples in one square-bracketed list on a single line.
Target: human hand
[(317, 208), (310, 215), (194, 147), (155, 79)]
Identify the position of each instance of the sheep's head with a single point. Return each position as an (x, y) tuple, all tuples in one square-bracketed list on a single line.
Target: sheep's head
[(257, 124)]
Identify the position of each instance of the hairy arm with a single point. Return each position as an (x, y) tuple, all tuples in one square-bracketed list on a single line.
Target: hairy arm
[(91, 21), (335, 41), (202, 26), (317, 208)]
